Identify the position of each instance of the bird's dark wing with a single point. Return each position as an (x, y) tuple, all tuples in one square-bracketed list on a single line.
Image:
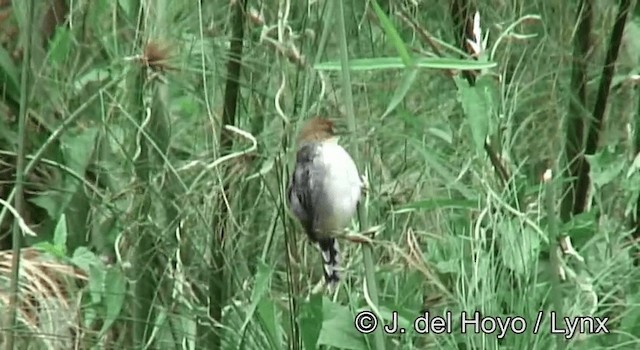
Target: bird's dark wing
[(299, 192)]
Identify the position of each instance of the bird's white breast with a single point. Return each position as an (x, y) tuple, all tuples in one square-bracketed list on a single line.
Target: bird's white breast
[(341, 187)]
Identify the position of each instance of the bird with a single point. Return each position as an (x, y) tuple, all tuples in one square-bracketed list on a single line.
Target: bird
[(324, 190)]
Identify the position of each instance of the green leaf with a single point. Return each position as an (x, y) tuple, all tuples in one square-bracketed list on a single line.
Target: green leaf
[(78, 147), (581, 227), (60, 234), (311, 321), (519, 246), (384, 63), (338, 328), (84, 259), (114, 295), (48, 201), (97, 283), (77, 150), (605, 166), (407, 81), (90, 316), (50, 249), (95, 269), (263, 277), (393, 35), (477, 103), (270, 323), (127, 7), (60, 46)]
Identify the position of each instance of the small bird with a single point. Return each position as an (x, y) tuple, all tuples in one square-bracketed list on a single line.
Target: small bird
[(324, 190)]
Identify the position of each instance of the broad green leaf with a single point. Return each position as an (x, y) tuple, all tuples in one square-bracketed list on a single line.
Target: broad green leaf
[(605, 166), (114, 295), (97, 282), (270, 322), (338, 328), (393, 35), (311, 321), (477, 104), (60, 234), (50, 249), (90, 316), (127, 7), (84, 259), (263, 277), (383, 63), (77, 148), (60, 46), (519, 246), (48, 201), (581, 227), (95, 269)]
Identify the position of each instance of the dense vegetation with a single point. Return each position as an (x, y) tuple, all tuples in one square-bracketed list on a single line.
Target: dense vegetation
[(145, 149)]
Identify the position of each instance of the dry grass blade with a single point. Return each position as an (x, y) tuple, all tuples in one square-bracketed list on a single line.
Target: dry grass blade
[(46, 291)]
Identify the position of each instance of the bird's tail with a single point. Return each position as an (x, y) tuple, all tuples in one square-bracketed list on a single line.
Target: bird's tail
[(330, 262)]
